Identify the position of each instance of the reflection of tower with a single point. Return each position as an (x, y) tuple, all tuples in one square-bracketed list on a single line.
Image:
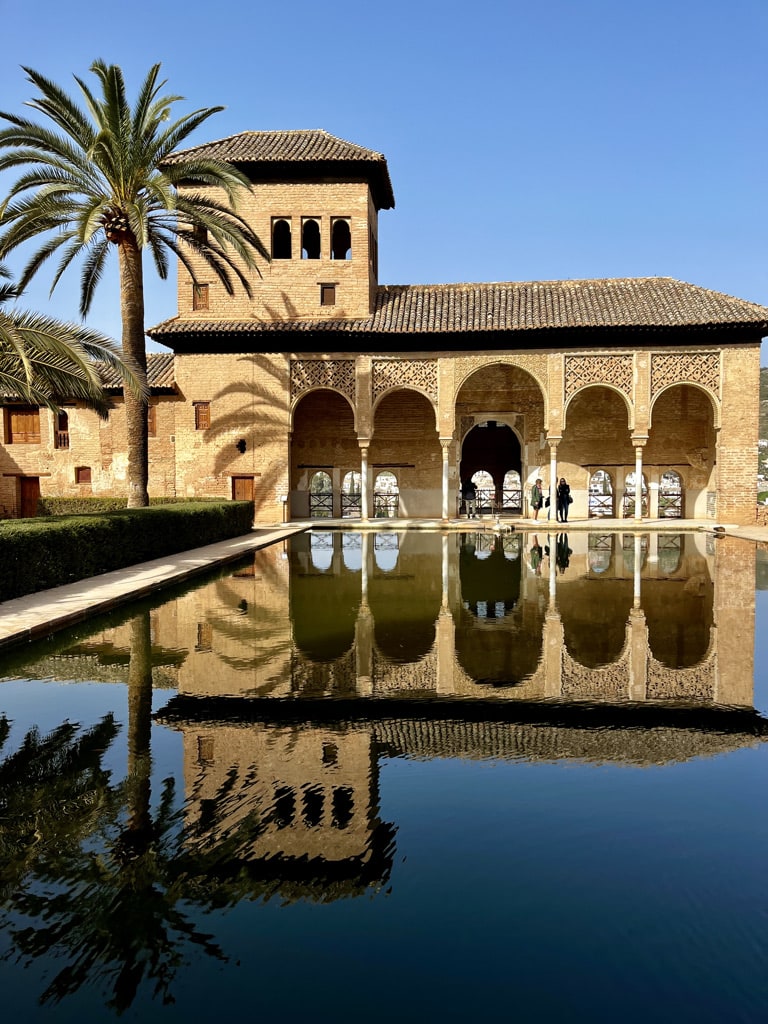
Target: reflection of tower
[(297, 805)]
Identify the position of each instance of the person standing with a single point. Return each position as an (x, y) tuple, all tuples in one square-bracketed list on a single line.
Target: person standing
[(563, 500), (537, 498)]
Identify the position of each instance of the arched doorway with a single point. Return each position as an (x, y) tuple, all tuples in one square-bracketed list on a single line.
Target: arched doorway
[(405, 443), (500, 413), (323, 440)]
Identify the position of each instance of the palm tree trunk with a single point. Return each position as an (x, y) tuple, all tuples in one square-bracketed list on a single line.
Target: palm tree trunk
[(140, 725), (134, 348)]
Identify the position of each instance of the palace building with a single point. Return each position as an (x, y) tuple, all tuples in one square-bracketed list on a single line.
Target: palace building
[(327, 394)]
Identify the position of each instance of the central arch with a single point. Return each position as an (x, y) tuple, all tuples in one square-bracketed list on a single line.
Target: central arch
[(500, 413)]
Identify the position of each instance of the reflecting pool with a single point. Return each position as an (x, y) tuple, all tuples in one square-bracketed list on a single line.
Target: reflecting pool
[(398, 777)]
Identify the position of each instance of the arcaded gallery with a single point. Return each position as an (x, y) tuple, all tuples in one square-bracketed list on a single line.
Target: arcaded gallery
[(328, 395)]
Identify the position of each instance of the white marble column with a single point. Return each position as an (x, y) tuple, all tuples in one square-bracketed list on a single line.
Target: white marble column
[(638, 477), (638, 563), (445, 446), (553, 480), (363, 480)]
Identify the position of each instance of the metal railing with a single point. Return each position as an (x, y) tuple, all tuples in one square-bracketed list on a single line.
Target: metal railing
[(321, 505), (600, 506), (385, 505), (628, 504), (671, 504), (511, 501), (351, 505)]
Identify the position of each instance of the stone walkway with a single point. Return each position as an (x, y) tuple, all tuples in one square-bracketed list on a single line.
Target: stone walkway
[(38, 615)]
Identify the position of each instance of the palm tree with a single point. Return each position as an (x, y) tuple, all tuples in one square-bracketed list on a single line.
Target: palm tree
[(43, 360), (102, 177)]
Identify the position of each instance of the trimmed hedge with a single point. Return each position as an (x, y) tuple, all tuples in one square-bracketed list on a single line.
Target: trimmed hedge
[(87, 506), (36, 554)]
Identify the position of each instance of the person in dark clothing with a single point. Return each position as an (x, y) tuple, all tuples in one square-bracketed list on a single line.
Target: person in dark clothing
[(562, 552), (563, 500), (469, 494)]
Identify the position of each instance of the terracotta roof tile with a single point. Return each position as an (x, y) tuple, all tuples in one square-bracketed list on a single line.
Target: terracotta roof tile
[(301, 146), (651, 302), (160, 373)]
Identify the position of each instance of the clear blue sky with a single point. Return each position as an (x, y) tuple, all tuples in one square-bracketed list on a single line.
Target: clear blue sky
[(525, 141)]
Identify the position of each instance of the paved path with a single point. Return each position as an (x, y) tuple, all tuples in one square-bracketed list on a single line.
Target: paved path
[(37, 615)]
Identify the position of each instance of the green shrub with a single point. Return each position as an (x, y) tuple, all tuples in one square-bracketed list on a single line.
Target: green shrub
[(36, 554), (86, 506)]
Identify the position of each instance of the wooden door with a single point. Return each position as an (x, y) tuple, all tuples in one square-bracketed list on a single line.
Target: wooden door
[(242, 488), (29, 494)]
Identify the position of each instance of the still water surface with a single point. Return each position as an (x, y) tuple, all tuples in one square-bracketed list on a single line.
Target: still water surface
[(398, 777)]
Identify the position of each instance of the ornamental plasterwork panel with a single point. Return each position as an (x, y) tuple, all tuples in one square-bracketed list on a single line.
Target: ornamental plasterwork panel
[(697, 681), (414, 373), (608, 681), (533, 363), (420, 675), (338, 374), (685, 367), (614, 370)]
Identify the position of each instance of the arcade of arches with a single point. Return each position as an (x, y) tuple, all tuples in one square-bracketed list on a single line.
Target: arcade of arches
[(430, 425)]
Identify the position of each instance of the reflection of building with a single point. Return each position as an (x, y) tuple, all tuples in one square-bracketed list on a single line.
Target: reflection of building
[(298, 805), (325, 393)]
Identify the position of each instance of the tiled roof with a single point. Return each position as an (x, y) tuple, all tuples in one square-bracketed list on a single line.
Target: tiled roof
[(302, 146), (159, 372), (650, 302)]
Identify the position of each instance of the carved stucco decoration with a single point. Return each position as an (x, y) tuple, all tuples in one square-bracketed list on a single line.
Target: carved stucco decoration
[(534, 364), (338, 374), (419, 675), (607, 682), (697, 681), (613, 370), (685, 368), (396, 373), (329, 677)]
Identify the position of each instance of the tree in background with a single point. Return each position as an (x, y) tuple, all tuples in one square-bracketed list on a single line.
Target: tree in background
[(43, 360), (100, 177)]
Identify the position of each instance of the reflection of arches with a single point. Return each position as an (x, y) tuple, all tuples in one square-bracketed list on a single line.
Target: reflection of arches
[(679, 619), (671, 495), (490, 583), (669, 548), (599, 552), (320, 496), (323, 610), (385, 495), (594, 628), (352, 551), (601, 495), (405, 597)]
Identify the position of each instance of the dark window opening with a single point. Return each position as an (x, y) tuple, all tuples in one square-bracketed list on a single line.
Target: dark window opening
[(204, 637), (284, 810), (330, 753), (281, 240), (314, 801), (342, 806), (310, 240), (327, 294), (152, 421), (82, 474), (22, 425), (341, 240), (205, 749), (62, 430), (373, 248), (200, 234)]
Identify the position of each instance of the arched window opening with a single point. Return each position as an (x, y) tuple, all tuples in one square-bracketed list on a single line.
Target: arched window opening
[(386, 496), (671, 495), (281, 239), (351, 496), (320, 496), (512, 493), (352, 551), (62, 430), (386, 550), (341, 240), (601, 495), (629, 496), (486, 491), (628, 551), (310, 240)]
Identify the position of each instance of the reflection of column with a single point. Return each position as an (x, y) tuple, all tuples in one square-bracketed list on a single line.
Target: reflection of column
[(636, 580), (639, 443), (552, 544), (445, 445), (553, 480), (638, 651), (364, 650), (364, 568), (446, 651), (444, 574), (363, 480), (552, 643), (734, 610)]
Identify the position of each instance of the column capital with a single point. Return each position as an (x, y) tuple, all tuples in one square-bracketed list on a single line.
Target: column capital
[(445, 443), (639, 440), (554, 441)]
